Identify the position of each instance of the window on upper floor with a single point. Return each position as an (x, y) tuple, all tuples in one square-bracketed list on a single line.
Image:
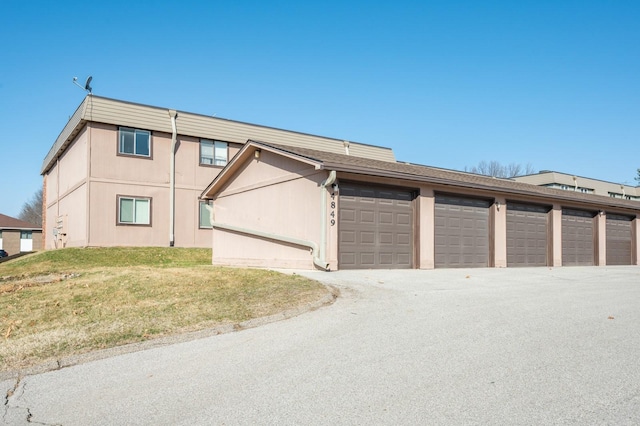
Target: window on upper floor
[(134, 210), (205, 217), (134, 142), (213, 153)]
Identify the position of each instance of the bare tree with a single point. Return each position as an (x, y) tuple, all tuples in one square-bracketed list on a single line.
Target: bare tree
[(637, 178), (32, 210), (495, 169)]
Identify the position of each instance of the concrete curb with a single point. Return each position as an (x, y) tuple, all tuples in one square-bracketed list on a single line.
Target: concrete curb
[(72, 360)]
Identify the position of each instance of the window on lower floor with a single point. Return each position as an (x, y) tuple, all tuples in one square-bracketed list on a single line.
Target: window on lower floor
[(134, 142), (134, 211), (205, 217), (213, 153), (25, 235)]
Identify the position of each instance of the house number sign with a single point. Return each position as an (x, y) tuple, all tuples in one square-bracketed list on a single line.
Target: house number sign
[(333, 209)]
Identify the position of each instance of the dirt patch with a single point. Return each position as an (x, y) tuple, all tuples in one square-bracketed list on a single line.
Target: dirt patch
[(15, 284)]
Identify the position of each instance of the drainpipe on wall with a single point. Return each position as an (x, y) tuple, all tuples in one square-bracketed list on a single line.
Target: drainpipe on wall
[(323, 219), (172, 178)]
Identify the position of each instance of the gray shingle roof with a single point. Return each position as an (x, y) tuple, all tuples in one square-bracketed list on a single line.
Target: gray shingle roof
[(420, 173), (8, 222)]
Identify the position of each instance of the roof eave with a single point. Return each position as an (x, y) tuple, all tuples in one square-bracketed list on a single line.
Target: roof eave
[(560, 196), (75, 124)]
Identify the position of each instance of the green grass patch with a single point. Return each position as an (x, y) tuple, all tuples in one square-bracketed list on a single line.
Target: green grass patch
[(70, 301)]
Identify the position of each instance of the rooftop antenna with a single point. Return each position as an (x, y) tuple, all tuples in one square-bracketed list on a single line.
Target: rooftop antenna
[(87, 84)]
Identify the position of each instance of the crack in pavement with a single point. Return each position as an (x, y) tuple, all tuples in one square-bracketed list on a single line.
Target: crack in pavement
[(10, 392), (33, 422), (14, 413)]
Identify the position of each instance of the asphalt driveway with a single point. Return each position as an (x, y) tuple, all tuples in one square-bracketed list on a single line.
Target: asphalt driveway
[(482, 346)]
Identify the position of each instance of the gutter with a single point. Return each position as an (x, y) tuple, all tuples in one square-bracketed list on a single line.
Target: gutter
[(172, 178)]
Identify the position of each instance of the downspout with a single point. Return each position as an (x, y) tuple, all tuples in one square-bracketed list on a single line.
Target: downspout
[(172, 178), (291, 240), (323, 219)]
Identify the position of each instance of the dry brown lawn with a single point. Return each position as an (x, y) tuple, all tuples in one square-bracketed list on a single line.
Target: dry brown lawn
[(71, 301)]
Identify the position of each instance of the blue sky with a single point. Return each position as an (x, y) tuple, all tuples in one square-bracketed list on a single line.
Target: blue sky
[(444, 83)]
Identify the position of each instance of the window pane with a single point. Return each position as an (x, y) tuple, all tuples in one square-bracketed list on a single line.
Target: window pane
[(126, 141), (220, 153), (206, 152), (205, 218), (142, 212), (25, 235), (142, 143), (126, 210)]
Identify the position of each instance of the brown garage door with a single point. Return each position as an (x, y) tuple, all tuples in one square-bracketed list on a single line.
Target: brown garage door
[(577, 238), (375, 227), (461, 232), (618, 240), (526, 234)]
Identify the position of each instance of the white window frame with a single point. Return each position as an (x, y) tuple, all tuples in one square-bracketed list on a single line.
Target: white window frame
[(203, 211), (219, 156), (137, 220), (135, 132)]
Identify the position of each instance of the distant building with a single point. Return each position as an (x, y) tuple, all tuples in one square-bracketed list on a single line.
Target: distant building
[(17, 236), (581, 184)]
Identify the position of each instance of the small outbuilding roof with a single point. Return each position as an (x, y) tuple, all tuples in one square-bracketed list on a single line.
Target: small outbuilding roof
[(8, 222), (411, 173)]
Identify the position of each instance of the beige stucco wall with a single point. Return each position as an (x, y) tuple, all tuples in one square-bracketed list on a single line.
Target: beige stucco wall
[(600, 245), (276, 195), (88, 200), (66, 193), (426, 228)]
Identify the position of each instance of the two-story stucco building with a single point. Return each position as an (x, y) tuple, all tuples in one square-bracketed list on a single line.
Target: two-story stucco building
[(126, 174)]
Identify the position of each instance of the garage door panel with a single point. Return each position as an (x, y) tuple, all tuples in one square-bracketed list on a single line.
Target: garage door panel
[(386, 238), (348, 215), (348, 237), (526, 234), (403, 219), (385, 218), (367, 216), (619, 239), (404, 239), (462, 232), (577, 237), (367, 259), (385, 228), (367, 237)]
